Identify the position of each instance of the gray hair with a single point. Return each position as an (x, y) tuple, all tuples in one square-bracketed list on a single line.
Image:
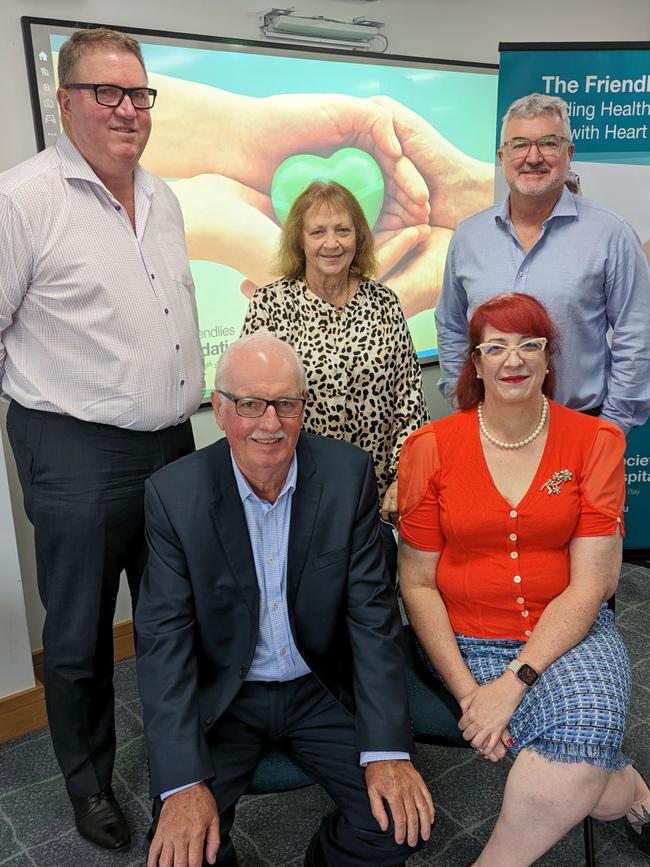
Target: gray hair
[(263, 339), (535, 104)]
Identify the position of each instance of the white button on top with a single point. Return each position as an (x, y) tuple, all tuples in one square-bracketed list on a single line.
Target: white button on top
[(513, 513), (524, 613), (514, 555), (513, 537), (517, 579), (282, 651), (528, 632), (618, 520), (520, 600), (522, 273)]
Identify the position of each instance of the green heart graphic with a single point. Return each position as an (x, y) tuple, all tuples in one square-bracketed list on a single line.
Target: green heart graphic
[(351, 167)]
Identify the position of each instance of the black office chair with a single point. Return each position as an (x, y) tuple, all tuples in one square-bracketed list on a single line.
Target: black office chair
[(588, 822), (277, 772)]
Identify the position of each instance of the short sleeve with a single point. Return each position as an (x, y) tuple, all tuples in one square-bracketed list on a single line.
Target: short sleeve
[(260, 315), (602, 486), (418, 475)]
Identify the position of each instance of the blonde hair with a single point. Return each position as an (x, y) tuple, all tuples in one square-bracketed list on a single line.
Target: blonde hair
[(84, 42), (291, 256)]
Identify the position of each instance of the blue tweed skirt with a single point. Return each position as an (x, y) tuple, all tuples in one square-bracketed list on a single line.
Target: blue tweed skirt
[(576, 711)]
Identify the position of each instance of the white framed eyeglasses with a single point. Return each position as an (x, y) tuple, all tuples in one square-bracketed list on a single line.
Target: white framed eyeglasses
[(526, 349)]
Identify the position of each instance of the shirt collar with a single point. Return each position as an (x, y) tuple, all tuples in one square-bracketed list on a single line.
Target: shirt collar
[(564, 207), (246, 492), (75, 166)]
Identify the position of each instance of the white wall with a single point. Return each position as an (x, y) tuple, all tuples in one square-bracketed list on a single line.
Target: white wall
[(447, 29), (444, 29), (16, 671)]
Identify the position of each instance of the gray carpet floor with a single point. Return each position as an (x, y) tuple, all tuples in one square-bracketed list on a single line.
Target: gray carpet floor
[(37, 830)]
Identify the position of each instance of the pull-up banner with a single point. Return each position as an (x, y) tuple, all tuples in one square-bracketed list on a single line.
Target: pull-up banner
[(607, 89)]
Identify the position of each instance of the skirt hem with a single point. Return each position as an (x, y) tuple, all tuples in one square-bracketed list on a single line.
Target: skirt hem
[(573, 754)]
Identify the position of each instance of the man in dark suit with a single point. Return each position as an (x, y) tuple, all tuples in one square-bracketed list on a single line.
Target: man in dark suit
[(265, 615)]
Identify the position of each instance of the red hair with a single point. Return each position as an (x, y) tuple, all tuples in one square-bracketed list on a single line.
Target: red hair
[(513, 314)]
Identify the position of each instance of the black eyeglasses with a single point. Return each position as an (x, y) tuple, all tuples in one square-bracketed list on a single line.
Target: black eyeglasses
[(111, 95), (255, 407)]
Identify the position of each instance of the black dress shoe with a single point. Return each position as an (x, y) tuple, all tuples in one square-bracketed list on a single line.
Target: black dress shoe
[(641, 837), (639, 832), (314, 856), (100, 819)]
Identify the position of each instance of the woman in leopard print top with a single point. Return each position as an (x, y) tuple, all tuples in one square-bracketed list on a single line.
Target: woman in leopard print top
[(365, 384)]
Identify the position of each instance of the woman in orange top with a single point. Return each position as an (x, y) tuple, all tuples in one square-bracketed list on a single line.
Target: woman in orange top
[(511, 525)]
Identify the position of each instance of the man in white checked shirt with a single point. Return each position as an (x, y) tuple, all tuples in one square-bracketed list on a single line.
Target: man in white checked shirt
[(100, 358)]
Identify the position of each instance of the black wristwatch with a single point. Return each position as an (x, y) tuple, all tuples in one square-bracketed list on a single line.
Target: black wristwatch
[(526, 673)]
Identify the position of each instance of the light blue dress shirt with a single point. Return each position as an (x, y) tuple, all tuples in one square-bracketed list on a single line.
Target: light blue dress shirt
[(589, 269), (276, 656)]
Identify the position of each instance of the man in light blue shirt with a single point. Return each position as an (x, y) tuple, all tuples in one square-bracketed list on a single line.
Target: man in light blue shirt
[(266, 616), (584, 262)]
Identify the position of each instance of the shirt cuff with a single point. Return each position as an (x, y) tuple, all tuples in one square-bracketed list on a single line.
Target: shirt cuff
[(367, 757), (179, 789)]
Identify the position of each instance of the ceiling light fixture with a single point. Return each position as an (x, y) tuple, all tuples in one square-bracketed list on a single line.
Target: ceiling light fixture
[(283, 24)]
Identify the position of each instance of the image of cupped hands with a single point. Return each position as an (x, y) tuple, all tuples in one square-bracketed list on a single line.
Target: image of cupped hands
[(237, 162)]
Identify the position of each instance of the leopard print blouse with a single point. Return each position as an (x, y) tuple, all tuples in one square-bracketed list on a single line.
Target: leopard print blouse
[(365, 384)]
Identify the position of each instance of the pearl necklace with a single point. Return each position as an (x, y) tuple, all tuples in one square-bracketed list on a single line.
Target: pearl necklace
[(521, 443)]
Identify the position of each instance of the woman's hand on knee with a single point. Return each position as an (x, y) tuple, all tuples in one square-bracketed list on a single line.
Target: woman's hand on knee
[(501, 749), (487, 711)]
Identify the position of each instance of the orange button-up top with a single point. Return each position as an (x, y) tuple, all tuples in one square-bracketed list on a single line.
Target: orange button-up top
[(501, 564)]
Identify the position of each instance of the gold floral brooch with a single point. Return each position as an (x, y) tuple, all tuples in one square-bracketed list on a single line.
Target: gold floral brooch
[(553, 484)]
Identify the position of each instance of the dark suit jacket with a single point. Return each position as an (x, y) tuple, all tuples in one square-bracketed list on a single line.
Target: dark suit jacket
[(197, 612)]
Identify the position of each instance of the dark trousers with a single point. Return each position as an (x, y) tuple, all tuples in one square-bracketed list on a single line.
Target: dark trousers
[(319, 734), (83, 488)]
